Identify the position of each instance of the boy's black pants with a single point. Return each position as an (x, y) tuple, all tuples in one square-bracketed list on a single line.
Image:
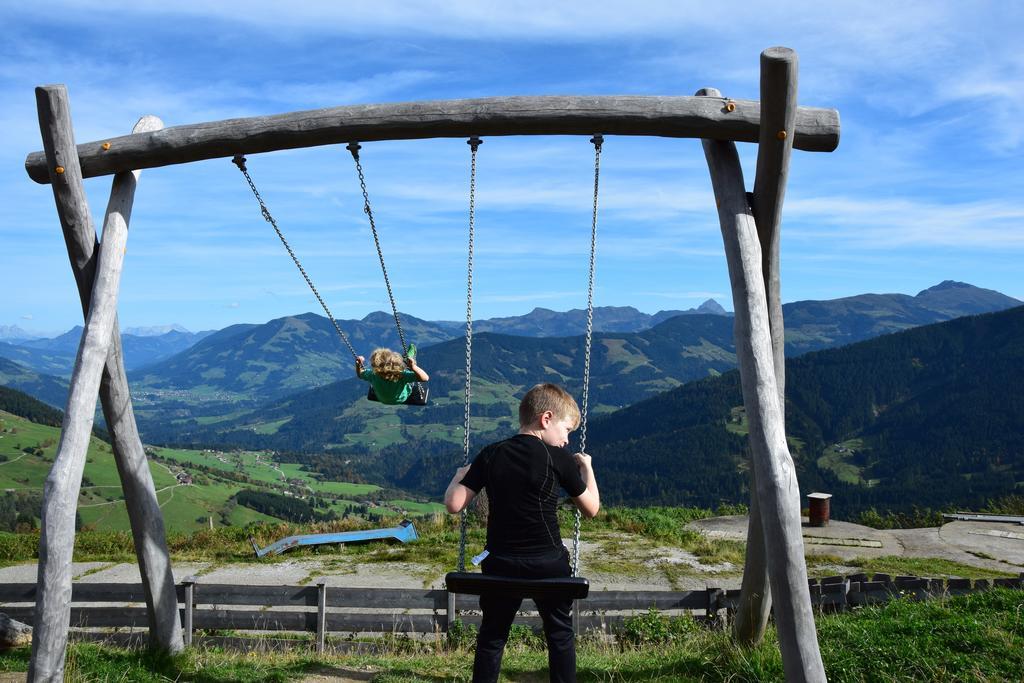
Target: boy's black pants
[(499, 612)]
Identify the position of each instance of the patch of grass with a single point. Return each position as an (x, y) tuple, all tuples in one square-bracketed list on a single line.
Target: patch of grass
[(978, 637), (919, 566), (837, 458)]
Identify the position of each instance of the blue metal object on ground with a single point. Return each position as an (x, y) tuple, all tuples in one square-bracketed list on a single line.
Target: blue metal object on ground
[(404, 532)]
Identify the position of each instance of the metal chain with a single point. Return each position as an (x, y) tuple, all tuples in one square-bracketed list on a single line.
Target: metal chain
[(353, 147), (239, 161), (597, 141), (474, 142)]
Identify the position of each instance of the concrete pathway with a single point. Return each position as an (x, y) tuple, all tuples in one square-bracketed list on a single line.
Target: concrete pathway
[(988, 545)]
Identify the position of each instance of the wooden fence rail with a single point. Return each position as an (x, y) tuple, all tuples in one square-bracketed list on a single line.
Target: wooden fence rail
[(322, 609)]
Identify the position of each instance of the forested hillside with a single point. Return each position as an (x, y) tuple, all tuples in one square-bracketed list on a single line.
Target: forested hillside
[(928, 417), (21, 404), (46, 388)]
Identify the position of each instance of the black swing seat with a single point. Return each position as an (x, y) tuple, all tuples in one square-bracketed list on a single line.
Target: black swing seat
[(472, 583), (417, 397)]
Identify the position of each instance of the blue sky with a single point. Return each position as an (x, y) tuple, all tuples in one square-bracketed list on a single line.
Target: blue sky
[(925, 185)]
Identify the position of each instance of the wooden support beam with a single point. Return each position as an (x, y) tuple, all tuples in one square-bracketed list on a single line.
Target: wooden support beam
[(777, 489), (779, 68), (63, 483), (817, 130), (143, 507)]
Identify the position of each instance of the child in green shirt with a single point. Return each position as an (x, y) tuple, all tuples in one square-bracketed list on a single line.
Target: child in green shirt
[(391, 376)]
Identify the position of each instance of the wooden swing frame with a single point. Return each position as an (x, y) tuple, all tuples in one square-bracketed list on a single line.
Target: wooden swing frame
[(750, 229)]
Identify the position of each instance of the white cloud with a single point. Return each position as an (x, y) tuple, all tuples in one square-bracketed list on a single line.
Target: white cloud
[(885, 223)]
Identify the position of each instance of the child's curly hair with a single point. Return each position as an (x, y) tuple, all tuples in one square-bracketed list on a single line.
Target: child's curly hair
[(387, 364)]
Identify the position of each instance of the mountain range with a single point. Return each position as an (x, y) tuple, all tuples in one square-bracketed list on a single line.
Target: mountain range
[(239, 374), (927, 417), (56, 355)]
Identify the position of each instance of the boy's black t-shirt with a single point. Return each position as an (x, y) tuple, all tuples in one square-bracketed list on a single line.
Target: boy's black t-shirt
[(522, 476)]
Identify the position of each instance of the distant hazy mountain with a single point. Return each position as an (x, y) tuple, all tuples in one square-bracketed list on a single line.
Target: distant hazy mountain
[(46, 388), (813, 325), (625, 367), (14, 334), (57, 363), (56, 356), (259, 363), (158, 330), (543, 322), (283, 356)]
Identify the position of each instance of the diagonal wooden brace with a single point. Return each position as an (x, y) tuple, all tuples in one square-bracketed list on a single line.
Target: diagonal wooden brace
[(779, 67), (99, 368), (777, 489)]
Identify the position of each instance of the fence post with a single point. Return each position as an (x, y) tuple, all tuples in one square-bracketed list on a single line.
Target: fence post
[(711, 610), (321, 615), (450, 612), (189, 582)]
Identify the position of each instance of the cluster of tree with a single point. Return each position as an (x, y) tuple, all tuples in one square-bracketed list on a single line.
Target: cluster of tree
[(283, 507), (21, 404), (19, 510)]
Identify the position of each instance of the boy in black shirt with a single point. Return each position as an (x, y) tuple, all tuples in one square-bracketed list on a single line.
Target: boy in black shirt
[(523, 475)]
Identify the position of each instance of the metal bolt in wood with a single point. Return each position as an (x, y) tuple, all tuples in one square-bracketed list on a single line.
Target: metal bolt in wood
[(105, 146), (730, 106), (781, 135), (59, 170)]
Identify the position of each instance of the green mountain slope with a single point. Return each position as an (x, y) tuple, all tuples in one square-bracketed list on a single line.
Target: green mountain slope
[(210, 489), (814, 325), (49, 389), (928, 417), (624, 368), (243, 366)]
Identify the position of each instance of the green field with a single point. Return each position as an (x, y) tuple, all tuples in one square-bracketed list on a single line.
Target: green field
[(28, 449), (838, 457)]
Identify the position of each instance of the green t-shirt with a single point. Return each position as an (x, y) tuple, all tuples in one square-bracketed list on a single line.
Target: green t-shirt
[(390, 392)]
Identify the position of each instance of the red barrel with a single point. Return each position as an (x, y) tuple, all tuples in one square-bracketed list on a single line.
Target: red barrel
[(818, 508)]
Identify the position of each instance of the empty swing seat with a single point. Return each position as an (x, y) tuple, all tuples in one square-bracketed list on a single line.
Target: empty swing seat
[(472, 583)]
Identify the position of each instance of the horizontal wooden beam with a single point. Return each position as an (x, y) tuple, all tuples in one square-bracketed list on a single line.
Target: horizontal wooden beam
[(816, 130)]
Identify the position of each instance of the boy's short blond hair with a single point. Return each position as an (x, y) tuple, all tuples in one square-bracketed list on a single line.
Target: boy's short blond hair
[(544, 397), (387, 364)]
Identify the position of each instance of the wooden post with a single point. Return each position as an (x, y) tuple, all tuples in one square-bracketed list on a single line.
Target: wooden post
[(679, 117), (450, 612), (777, 490), (321, 616), (779, 67), (143, 507), (190, 604), (714, 600), (63, 483)]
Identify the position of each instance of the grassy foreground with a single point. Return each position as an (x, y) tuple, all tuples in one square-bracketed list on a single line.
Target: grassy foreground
[(970, 638)]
